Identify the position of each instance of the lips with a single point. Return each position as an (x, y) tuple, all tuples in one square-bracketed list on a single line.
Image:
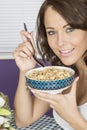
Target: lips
[(66, 52)]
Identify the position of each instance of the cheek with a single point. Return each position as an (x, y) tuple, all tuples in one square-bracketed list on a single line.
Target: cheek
[(80, 42), (81, 45), (52, 43)]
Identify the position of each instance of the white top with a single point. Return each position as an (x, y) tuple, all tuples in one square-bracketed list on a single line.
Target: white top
[(82, 109)]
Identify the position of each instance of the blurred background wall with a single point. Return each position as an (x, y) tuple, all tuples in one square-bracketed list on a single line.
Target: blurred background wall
[(9, 74)]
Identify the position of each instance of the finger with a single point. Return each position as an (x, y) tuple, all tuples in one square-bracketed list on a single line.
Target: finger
[(41, 98), (23, 54), (32, 40), (45, 96), (29, 47), (74, 86), (26, 48), (52, 106), (27, 36), (20, 54), (30, 36), (45, 99), (24, 35)]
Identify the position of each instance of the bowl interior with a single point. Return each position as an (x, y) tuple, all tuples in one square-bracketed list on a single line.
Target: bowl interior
[(71, 71), (50, 84)]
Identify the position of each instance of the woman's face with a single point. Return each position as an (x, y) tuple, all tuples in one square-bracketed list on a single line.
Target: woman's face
[(67, 43)]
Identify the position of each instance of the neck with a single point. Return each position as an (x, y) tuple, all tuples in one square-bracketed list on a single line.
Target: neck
[(81, 66), (82, 83)]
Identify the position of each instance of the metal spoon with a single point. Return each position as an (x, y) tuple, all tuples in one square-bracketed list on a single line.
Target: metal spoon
[(35, 58)]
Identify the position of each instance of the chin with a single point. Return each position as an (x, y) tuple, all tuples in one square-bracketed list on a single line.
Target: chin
[(68, 63)]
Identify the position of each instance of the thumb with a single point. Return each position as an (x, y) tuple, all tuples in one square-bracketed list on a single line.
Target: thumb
[(74, 86)]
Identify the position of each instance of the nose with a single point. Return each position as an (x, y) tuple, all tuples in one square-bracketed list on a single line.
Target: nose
[(61, 39)]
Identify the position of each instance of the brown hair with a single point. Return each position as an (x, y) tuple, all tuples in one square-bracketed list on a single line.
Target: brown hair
[(73, 11)]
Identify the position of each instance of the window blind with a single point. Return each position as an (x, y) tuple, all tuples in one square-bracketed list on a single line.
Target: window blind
[(13, 13)]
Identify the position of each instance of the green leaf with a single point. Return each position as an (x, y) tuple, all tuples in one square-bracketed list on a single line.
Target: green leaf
[(4, 112)]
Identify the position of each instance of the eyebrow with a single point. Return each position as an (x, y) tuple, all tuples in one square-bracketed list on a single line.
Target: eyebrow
[(53, 28), (66, 25), (49, 28)]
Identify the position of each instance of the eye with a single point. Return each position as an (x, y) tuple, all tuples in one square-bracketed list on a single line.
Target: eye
[(51, 32), (70, 29)]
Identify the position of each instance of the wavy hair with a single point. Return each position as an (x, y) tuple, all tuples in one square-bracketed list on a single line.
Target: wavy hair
[(75, 14)]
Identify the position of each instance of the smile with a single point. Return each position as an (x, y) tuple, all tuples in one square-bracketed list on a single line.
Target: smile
[(66, 52)]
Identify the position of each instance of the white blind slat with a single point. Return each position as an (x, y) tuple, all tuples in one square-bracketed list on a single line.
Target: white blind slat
[(12, 16)]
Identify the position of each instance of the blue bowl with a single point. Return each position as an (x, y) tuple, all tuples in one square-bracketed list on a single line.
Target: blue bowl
[(50, 84)]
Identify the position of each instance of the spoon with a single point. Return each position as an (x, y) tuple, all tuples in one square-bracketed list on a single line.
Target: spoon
[(35, 58)]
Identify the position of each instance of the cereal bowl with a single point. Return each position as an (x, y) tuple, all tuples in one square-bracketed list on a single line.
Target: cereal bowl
[(53, 79)]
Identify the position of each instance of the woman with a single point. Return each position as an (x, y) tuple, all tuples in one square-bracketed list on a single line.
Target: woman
[(62, 40)]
